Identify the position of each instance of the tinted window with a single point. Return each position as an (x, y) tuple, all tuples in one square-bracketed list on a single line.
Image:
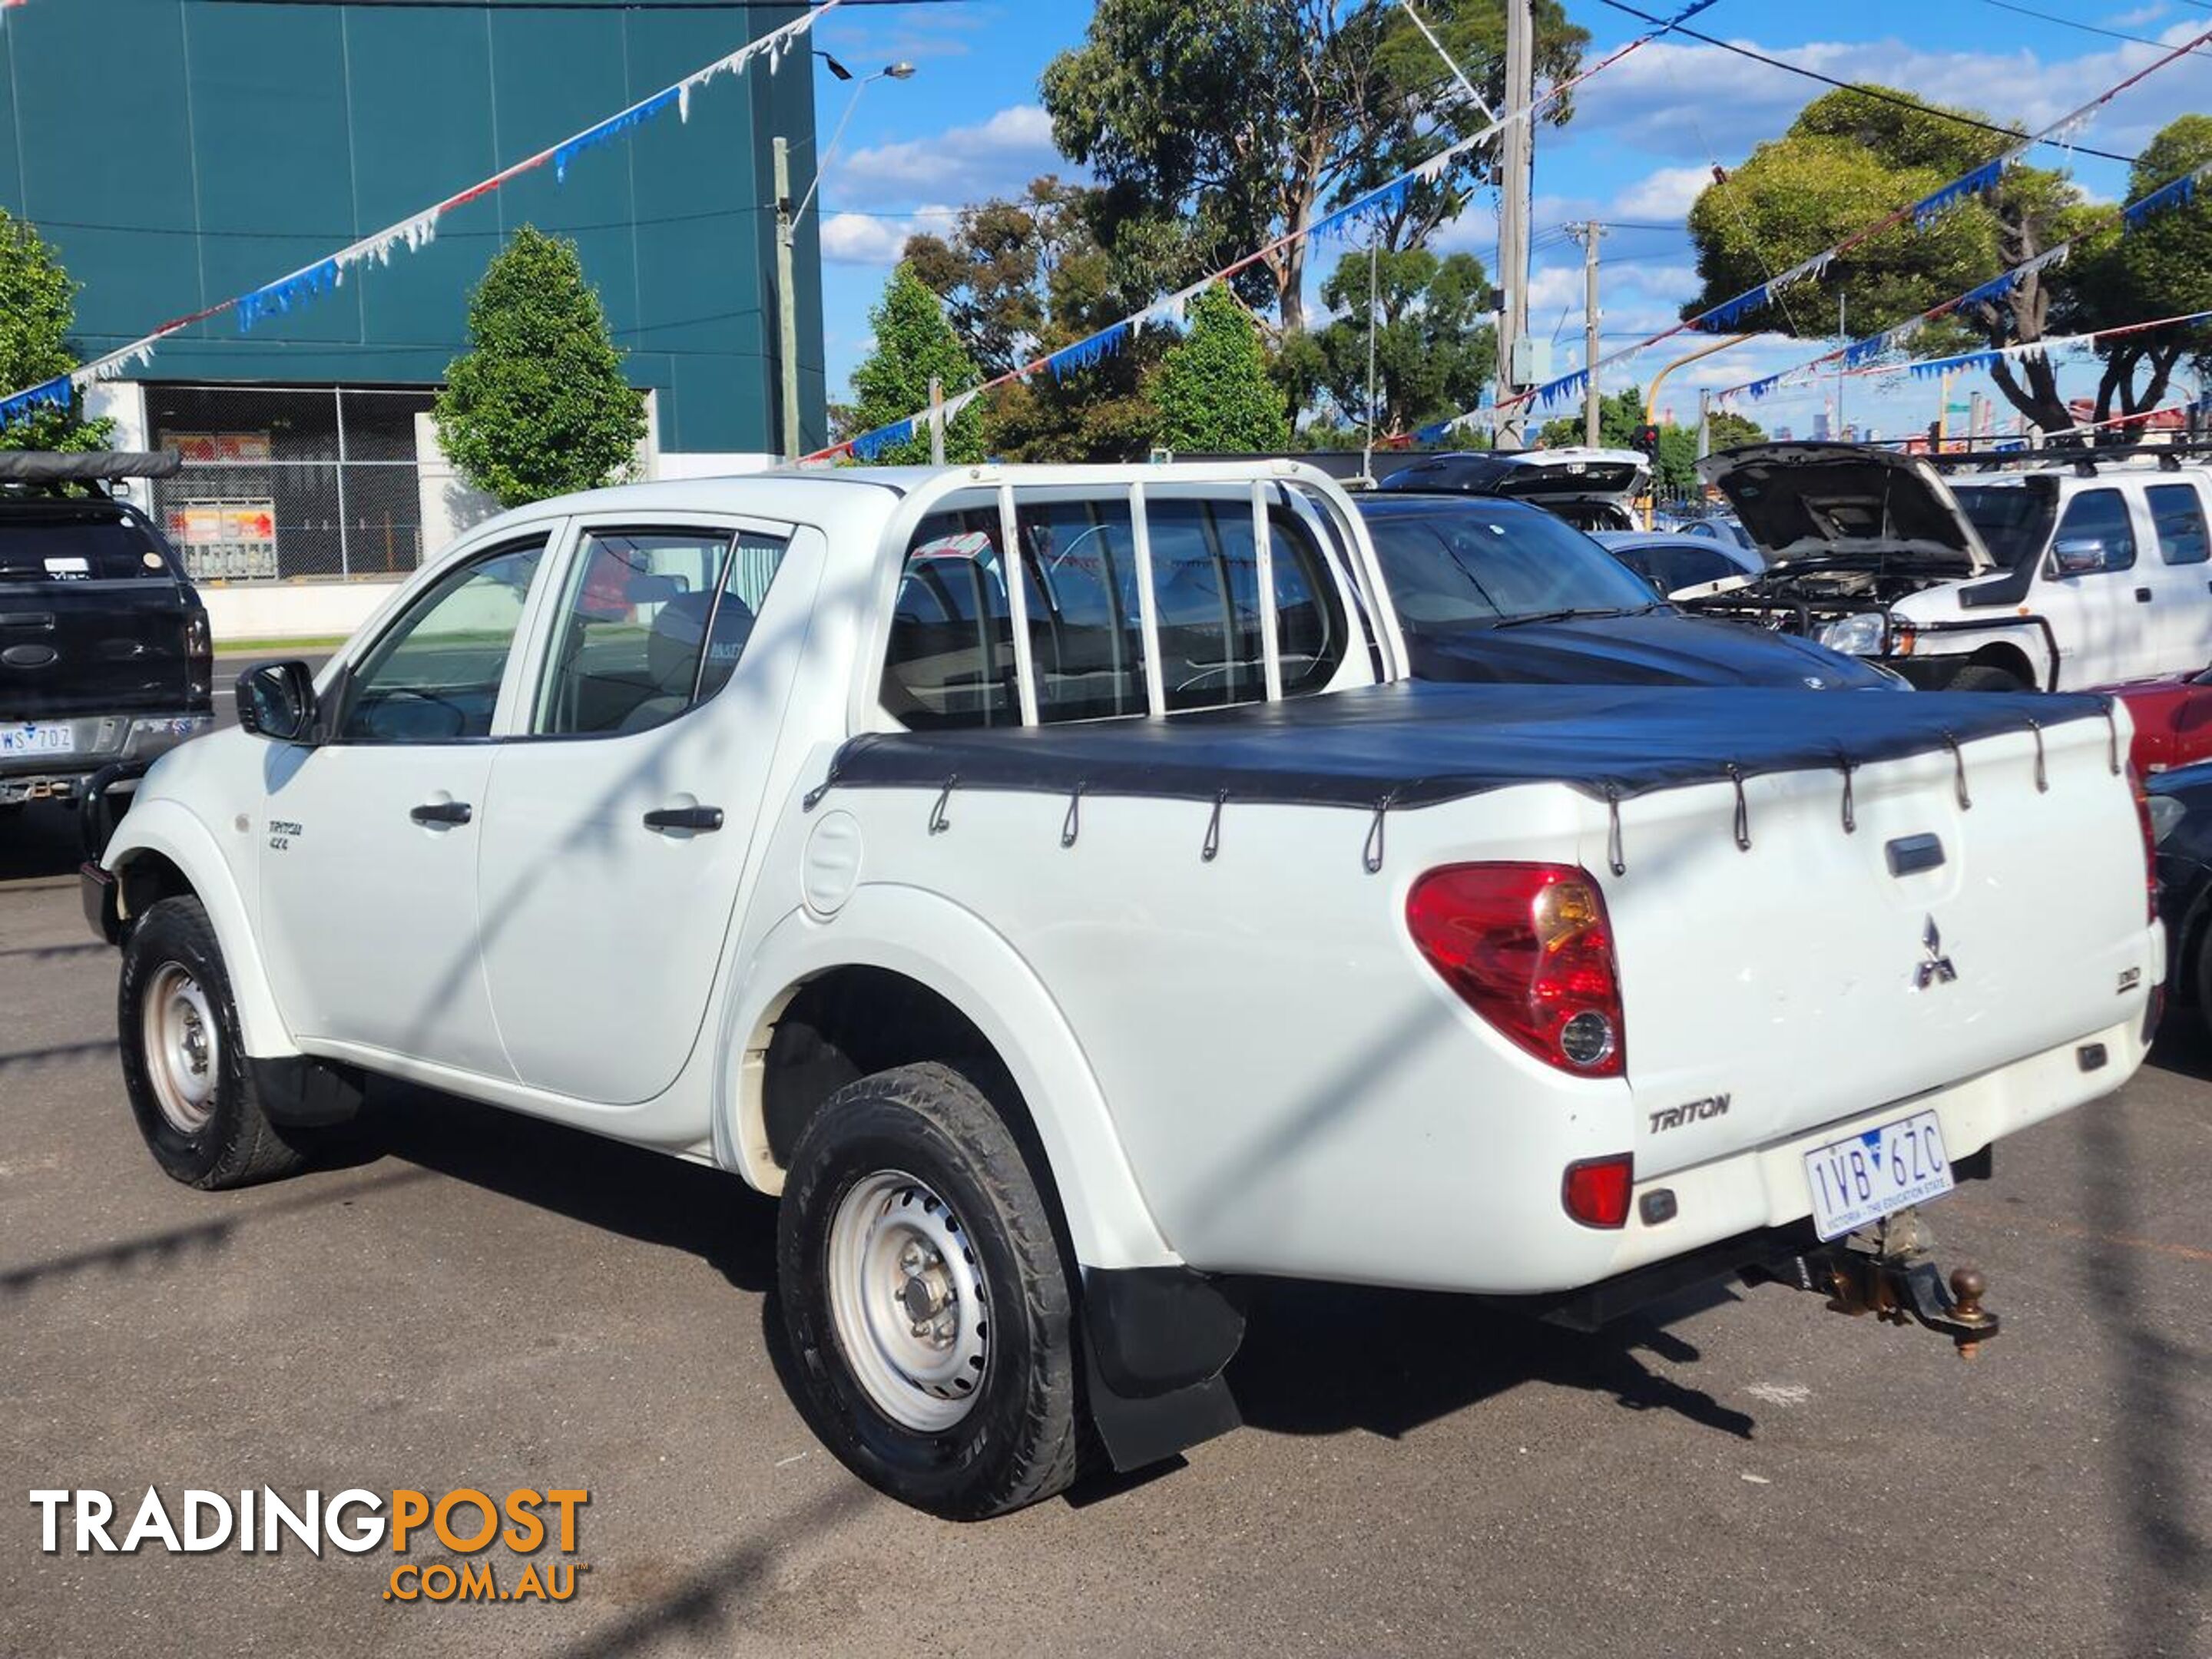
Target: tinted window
[(650, 626), (1086, 621), (1675, 567), (2012, 521), (2178, 513), (69, 547), (1473, 563), (1205, 589), (952, 656), (434, 676), (2101, 516)]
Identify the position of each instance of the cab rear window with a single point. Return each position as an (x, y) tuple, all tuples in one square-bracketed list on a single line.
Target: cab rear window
[(74, 548)]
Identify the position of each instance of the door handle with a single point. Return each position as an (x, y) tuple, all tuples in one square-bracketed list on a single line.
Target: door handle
[(441, 811), (702, 818), (2143, 596)]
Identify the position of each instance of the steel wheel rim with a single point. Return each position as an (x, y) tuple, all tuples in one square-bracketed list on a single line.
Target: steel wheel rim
[(182, 1045), (907, 1299)]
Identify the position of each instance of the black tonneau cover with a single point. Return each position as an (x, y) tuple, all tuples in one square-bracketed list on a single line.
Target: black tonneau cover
[(1414, 744)]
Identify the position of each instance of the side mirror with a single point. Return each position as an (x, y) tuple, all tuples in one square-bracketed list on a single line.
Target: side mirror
[(276, 700), (2082, 556)]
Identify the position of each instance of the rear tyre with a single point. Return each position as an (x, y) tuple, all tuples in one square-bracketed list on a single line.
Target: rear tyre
[(184, 1063), (923, 1290), (1984, 676)]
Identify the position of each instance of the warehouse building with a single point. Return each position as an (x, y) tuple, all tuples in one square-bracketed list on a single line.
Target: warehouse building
[(179, 152)]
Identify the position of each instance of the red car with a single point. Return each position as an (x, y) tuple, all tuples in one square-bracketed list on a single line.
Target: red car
[(2173, 720)]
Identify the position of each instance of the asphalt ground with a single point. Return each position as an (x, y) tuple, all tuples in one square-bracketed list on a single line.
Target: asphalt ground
[(469, 1299)]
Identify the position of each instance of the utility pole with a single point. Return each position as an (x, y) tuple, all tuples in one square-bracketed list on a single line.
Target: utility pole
[(1518, 176), (1705, 421), (786, 300), (1588, 235)]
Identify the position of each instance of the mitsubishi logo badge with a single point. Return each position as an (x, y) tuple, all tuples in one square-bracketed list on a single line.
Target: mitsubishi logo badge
[(1937, 969)]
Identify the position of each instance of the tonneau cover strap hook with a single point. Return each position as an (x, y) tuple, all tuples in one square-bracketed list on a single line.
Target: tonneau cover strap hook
[(1850, 808), (1615, 858), (1372, 856), (1212, 847), (1958, 768), (2112, 736), (939, 823), (1742, 809), (2042, 777), (1070, 825), (813, 797)]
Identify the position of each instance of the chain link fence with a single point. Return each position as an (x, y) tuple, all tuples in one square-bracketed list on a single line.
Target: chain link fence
[(288, 482)]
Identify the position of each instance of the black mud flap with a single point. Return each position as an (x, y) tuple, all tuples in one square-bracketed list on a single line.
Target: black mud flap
[(1156, 1342), (299, 1093)]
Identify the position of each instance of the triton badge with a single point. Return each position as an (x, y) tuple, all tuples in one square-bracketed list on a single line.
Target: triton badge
[(1937, 969)]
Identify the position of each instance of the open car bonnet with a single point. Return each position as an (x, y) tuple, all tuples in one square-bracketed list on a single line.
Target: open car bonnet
[(1806, 504)]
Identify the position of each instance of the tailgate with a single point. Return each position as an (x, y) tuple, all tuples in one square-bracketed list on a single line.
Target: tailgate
[(92, 648), (1773, 990)]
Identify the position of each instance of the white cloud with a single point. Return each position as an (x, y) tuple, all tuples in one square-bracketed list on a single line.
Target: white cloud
[(1664, 194), (997, 157), (871, 238)]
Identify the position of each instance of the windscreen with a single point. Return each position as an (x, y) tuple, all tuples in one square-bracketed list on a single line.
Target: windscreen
[(2014, 521), (77, 547), (1472, 562)]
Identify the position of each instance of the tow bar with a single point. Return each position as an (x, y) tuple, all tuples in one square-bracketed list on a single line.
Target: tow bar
[(1889, 1271)]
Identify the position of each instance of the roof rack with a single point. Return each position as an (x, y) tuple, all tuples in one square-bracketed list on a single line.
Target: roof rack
[(2083, 461), (44, 472)]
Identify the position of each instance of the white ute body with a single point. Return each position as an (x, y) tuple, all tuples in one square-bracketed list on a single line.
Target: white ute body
[(1238, 1064)]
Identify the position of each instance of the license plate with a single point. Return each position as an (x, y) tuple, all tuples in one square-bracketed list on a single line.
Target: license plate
[(1860, 1180), (37, 739)]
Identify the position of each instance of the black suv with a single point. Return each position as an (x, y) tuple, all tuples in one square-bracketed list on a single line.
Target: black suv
[(105, 654)]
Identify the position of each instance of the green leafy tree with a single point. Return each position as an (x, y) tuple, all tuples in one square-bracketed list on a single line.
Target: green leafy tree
[(1435, 348), (914, 343), (1218, 125), (37, 307), (1848, 160), (1026, 276), (2162, 268), (537, 405), (1213, 389)]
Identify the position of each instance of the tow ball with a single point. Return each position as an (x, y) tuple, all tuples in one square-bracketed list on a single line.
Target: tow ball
[(1889, 1271)]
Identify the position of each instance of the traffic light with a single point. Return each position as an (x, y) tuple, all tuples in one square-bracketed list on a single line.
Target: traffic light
[(1647, 438)]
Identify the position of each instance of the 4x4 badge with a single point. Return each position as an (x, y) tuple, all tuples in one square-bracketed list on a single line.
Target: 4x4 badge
[(1937, 969)]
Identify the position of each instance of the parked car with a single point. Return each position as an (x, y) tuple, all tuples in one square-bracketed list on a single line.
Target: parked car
[(1492, 589), (104, 653), (1727, 532), (1046, 882), (2180, 808), (1591, 488), (2172, 719), (1682, 566), (2054, 576)]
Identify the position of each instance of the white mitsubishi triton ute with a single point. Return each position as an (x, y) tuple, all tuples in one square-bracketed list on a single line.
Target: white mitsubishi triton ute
[(1049, 882)]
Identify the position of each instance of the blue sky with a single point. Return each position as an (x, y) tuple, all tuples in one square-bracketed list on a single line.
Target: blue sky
[(1646, 135)]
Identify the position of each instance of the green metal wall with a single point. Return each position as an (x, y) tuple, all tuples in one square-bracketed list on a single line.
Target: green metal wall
[(177, 152)]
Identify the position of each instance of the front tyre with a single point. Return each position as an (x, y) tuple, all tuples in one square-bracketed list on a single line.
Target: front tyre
[(184, 1063), (1984, 676), (923, 1290)]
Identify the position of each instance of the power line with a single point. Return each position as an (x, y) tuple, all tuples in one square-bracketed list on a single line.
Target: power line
[(1879, 94), (2087, 28)]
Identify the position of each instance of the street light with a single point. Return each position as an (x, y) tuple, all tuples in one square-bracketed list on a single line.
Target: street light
[(787, 226)]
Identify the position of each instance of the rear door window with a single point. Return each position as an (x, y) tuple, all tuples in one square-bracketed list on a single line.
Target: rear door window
[(2178, 510), (77, 547)]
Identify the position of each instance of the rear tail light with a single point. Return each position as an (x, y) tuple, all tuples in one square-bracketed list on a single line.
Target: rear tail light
[(1595, 1191), (1529, 948), (199, 653), (2150, 839)]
